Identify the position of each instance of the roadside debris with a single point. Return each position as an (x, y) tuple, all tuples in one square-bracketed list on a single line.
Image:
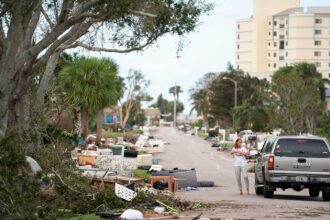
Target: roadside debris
[(132, 214), (124, 192)]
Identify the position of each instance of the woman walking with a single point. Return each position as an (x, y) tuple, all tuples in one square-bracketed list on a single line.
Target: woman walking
[(240, 153)]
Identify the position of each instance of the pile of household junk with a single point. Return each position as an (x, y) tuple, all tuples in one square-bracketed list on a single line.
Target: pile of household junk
[(111, 163)]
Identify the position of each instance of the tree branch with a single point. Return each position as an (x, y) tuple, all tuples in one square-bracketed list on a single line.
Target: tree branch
[(55, 10), (44, 13), (100, 49), (141, 13), (31, 28)]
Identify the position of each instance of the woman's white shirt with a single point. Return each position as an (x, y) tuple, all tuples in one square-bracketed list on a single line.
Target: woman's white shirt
[(239, 160)]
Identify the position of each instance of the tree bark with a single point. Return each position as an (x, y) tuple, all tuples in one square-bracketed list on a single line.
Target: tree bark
[(99, 126), (46, 79), (85, 121), (77, 121)]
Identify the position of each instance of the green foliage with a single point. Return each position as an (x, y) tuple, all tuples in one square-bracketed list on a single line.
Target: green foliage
[(198, 123), (84, 217), (323, 128), (55, 135), (91, 83), (175, 91), (298, 103), (251, 117), (142, 174), (166, 107), (18, 187)]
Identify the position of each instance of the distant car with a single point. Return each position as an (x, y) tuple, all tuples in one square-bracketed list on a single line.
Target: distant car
[(296, 162)]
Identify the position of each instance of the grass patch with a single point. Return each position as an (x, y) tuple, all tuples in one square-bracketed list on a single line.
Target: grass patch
[(202, 134), (141, 173), (84, 217)]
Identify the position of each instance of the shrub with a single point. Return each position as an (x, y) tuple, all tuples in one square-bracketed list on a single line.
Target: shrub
[(18, 188)]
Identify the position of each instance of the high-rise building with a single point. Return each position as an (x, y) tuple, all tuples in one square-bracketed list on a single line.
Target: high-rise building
[(281, 33)]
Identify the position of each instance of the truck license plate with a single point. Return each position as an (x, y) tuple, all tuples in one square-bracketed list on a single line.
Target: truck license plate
[(301, 178)]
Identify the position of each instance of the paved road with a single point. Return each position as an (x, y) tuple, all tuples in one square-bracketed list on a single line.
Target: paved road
[(192, 152)]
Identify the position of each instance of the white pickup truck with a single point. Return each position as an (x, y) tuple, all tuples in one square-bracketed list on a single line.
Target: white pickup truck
[(297, 162)]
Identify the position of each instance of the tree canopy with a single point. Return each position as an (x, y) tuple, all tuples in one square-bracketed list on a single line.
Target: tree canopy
[(299, 90), (34, 33)]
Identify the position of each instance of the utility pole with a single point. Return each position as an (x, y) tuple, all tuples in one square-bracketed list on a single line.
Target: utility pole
[(235, 83), (174, 107)]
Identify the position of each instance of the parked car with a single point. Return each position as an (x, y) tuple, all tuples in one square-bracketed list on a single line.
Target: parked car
[(296, 162)]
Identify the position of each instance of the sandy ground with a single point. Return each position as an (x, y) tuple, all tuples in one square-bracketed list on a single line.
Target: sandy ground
[(187, 152)]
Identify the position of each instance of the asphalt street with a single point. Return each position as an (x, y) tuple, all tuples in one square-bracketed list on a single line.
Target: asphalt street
[(186, 152)]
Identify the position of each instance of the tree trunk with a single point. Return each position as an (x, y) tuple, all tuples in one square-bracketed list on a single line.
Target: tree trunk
[(46, 79), (77, 121), (85, 121), (121, 116), (99, 126), (206, 122)]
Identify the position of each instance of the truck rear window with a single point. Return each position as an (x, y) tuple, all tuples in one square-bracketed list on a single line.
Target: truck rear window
[(301, 148)]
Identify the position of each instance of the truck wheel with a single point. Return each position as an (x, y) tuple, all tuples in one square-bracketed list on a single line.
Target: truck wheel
[(326, 194), (314, 192), (259, 189), (268, 193)]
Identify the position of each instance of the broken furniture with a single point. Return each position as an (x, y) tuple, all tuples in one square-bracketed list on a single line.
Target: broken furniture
[(187, 178), (171, 182)]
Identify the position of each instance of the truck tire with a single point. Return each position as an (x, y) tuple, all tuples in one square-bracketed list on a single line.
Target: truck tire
[(314, 192), (259, 190), (268, 193), (326, 194)]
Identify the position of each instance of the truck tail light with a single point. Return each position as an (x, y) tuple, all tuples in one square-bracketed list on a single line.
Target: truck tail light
[(271, 163)]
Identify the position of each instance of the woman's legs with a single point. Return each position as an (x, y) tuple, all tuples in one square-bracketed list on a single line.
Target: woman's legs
[(238, 177), (246, 178)]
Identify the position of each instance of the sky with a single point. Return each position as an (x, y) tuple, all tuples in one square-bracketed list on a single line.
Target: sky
[(209, 49)]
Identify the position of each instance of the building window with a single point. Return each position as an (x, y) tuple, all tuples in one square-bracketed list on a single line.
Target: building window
[(269, 54), (268, 64), (237, 57), (287, 33), (269, 22), (318, 21), (237, 46), (269, 43), (318, 64), (286, 43), (282, 45), (281, 58), (238, 67), (274, 55), (329, 64), (318, 32), (281, 36), (275, 34), (237, 36), (275, 44), (286, 54), (269, 33), (317, 53), (275, 23), (274, 65), (238, 26), (317, 43), (282, 25)]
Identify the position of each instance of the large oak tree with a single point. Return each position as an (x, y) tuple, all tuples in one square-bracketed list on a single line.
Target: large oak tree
[(33, 34)]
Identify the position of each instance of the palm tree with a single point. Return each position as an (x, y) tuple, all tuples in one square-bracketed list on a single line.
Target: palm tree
[(92, 84), (201, 104), (175, 90)]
